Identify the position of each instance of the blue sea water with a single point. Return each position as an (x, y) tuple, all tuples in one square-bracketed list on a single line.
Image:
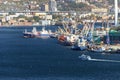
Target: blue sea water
[(46, 59)]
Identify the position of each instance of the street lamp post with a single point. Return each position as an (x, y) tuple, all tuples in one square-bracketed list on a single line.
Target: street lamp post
[(116, 12), (107, 34)]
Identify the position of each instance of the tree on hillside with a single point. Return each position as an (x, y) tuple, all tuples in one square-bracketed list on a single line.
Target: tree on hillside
[(57, 16), (36, 18), (21, 16)]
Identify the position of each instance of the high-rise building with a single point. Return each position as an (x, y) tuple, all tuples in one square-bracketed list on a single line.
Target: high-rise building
[(45, 7), (52, 5)]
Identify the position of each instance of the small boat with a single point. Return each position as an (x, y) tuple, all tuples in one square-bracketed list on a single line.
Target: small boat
[(98, 49), (112, 51), (85, 57), (118, 51)]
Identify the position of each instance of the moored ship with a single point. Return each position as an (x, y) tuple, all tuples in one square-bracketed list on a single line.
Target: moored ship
[(44, 33), (32, 34), (39, 34)]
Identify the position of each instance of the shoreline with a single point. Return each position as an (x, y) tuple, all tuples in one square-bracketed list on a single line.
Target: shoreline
[(24, 25), (117, 46)]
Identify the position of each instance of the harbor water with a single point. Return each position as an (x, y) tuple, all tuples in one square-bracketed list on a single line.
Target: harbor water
[(46, 59)]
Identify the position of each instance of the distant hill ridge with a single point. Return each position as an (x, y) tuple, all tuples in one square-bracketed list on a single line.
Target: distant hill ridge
[(26, 5)]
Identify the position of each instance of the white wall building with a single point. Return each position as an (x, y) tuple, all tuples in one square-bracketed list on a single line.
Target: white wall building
[(52, 5), (45, 22), (79, 1)]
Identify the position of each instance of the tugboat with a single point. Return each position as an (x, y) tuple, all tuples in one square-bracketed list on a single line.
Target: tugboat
[(84, 57)]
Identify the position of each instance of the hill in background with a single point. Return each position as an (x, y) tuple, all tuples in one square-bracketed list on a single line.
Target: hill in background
[(27, 5)]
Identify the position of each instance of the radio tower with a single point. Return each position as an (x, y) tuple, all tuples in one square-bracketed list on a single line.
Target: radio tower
[(116, 12)]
